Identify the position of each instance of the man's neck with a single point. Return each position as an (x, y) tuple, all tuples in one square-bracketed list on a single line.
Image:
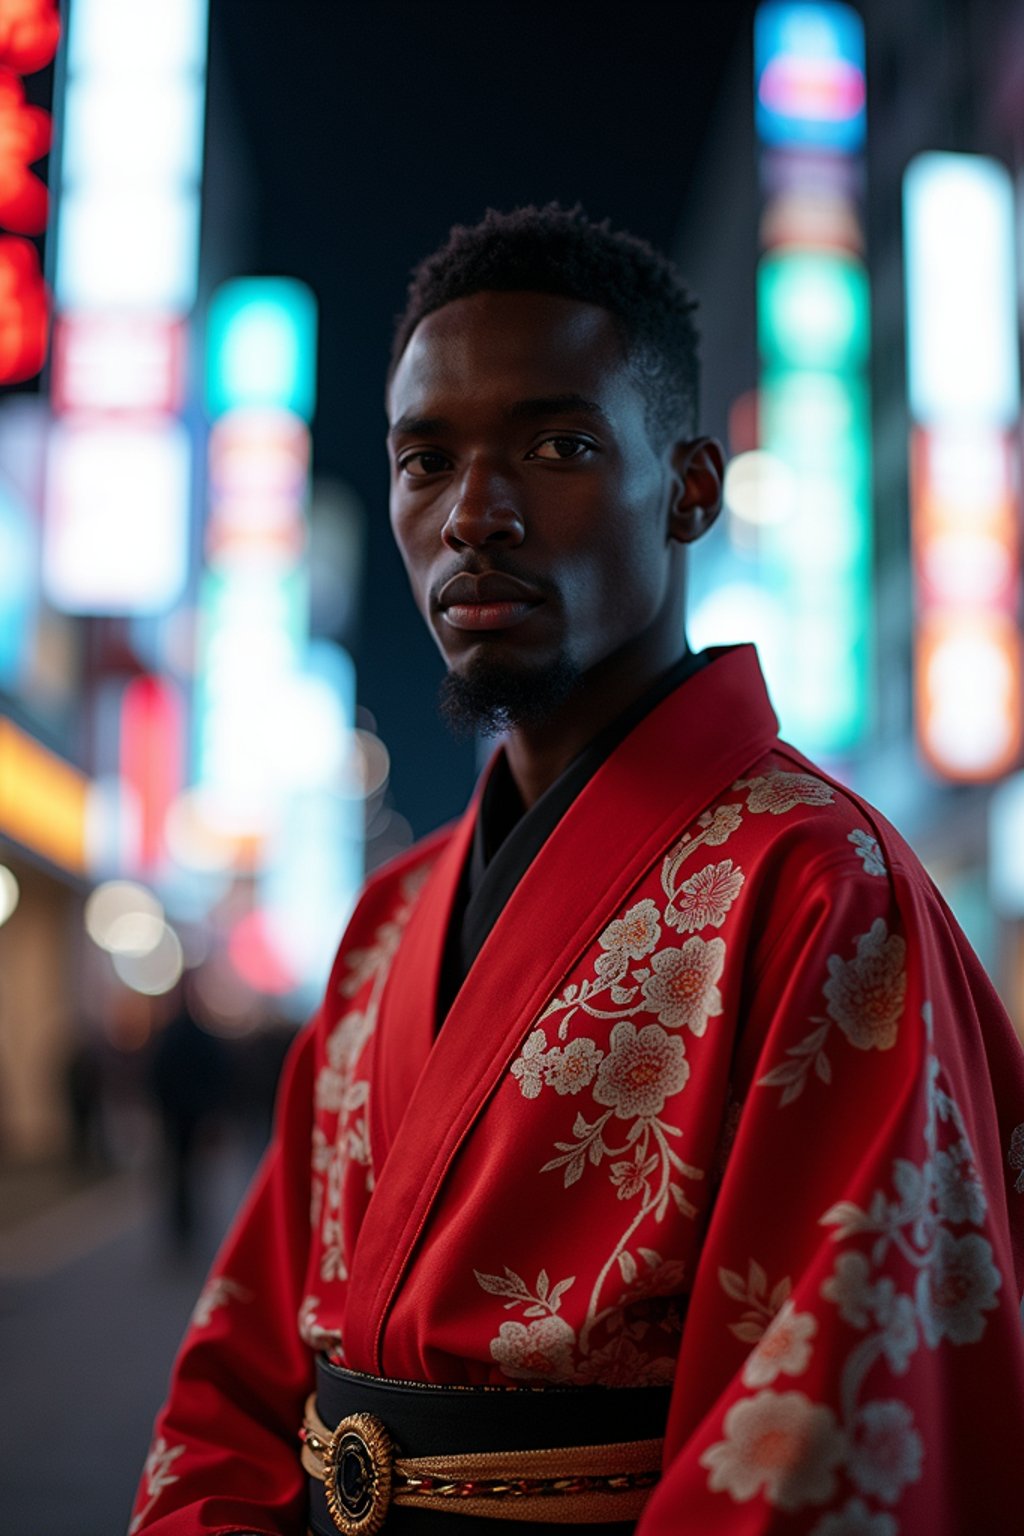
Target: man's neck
[(539, 754)]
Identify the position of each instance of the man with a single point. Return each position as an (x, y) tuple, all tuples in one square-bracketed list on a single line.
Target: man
[(663, 1081)]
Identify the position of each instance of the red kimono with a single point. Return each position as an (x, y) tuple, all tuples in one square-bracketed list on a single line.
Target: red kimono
[(726, 1101)]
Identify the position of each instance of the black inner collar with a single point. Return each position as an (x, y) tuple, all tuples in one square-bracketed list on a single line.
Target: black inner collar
[(507, 837)]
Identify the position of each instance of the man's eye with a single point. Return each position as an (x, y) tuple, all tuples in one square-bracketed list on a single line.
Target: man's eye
[(561, 448), (423, 463)]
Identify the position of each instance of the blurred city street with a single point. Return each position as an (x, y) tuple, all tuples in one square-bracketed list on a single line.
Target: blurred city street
[(218, 701), (93, 1301)]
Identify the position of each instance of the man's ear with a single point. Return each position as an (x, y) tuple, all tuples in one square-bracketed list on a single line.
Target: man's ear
[(698, 469)]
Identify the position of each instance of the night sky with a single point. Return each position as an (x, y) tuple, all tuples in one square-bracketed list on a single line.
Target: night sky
[(369, 127)]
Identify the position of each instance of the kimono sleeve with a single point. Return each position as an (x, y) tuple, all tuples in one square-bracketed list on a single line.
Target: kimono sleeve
[(224, 1455), (852, 1359)]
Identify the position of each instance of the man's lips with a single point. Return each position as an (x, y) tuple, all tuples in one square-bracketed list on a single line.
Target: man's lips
[(492, 601)]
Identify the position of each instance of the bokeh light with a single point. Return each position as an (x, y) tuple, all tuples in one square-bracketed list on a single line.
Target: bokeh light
[(10, 893), (156, 971), (113, 902), (760, 488)]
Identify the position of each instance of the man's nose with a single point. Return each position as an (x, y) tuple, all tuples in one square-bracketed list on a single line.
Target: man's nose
[(486, 510)]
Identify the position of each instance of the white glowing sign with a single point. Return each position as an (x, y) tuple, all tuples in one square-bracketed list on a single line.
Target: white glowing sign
[(110, 362), (142, 128), (130, 37), (315, 866), (132, 137), (962, 361), (252, 634), (117, 500), (128, 248), (964, 387), (119, 491)]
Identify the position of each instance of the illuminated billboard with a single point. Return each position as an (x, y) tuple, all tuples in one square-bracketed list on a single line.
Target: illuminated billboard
[(119, 493), (964, 388), (253, 594), (961, 275)]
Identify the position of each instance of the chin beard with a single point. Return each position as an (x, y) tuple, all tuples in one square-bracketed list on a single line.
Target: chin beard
[(491, 699)]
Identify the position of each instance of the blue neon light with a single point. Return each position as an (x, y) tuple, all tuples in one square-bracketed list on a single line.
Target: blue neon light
[(809, 74)]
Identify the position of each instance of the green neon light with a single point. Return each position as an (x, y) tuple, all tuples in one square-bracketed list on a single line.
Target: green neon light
[(813, 310)]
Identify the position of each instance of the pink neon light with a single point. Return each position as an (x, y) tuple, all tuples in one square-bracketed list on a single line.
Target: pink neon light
[(152, 757), (815, 90)]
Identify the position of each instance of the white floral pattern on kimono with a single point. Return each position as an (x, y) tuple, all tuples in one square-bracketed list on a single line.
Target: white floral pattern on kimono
[(778, 1443), (156, 1476), (877, 1445), (865, 996)]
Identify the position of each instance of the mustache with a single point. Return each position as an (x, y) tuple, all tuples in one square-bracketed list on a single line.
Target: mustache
[(542, 585)]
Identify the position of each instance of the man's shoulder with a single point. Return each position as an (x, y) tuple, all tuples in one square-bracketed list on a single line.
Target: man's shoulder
[(385, 905), (401, 877), (795, 814), (784, 790)]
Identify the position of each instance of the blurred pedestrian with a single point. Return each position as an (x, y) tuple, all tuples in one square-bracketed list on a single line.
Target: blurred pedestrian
[(189, 1078), (84, 1093)]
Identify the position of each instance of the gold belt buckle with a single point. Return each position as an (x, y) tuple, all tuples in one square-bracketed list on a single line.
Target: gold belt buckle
[(358, 1462)]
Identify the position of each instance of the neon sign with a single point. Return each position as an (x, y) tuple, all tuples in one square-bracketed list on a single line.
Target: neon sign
[(813, 314), (964, 387), (809, 68), (119, 476), (29, 32)]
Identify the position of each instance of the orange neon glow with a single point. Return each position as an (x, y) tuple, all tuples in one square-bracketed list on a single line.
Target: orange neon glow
[(968, 695), (42, 799), (24, 311), (24, 137), (964, 528), (828, 220), (29, 34)]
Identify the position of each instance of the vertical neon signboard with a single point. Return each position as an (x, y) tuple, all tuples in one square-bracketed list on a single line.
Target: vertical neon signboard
[(274, 713), (964, 390), (260, 387), (119, 482), (813, 308)]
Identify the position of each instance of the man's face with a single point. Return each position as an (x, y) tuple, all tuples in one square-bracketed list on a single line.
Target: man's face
[(529, 505)]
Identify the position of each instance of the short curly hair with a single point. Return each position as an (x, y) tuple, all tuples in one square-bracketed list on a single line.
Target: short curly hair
[(561, 251)]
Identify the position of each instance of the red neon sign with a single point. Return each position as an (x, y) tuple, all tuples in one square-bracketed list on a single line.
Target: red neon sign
[(29, 33), (24, 311), (24, 137)]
